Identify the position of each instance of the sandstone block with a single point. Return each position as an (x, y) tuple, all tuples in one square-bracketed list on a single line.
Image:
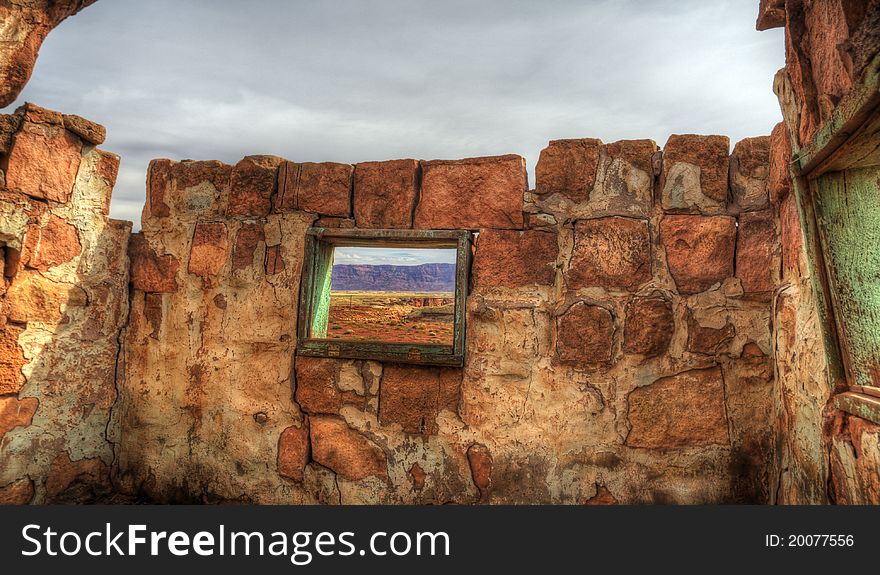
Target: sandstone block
[(709, 340), (613, 253), (779, 180), (52, 244), (385, 193), (344, 450), (695, 173), (791, 235), (317, 389), (65, 472), (86, 129), (34, 298), (293, 451), (649, 326), (151, 272), (511, 259), (43, 162), (683, 410), (274, 259), (754, 253), (11, 360), (20, 492), (750, 173), (15, 412), (209, 249), (252, 183), (247, 240), (568, 167), (321, 188), (413, 397), (472, 194), (585, 335), (480, 462), (699, 250)]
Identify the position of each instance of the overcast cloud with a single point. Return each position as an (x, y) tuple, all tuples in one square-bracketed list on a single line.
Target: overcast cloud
[(360, 80)]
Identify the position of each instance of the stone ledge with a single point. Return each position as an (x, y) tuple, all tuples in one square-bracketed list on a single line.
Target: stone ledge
[(859, 404)]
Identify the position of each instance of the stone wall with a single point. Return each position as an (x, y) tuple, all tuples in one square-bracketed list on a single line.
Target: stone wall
[(63, 303), (619, 344)]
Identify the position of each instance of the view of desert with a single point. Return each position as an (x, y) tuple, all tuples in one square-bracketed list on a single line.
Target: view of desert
[(392, 297)]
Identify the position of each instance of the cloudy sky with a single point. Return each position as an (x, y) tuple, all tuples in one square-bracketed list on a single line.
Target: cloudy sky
[(356, 80)]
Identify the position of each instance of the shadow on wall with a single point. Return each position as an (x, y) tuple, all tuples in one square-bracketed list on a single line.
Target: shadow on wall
[(63, 303)]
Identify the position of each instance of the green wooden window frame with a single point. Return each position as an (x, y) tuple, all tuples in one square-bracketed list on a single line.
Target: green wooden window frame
[(314, 299)]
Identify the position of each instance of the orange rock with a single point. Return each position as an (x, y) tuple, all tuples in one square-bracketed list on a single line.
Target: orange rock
[(413, 396), (293, 451), (52, 244), (64, 473), (274, 260), (418, 475), (779, 181), (568, 167), (709, 340), (710, 155), (43, 161), (649, 326), (321, 188), (247, 239), (20, 492), (210, 249), (699, 250), (316, 387), (158, 183), (252, 184), (613, 253), (11, 360), (33, 297), (791, 235), (86, 129), (585, 335), (480, 461), (15, 412), (385, 193), (602, 497), (472, 194), (510, 258), (750, 173), (684, 410), (151, 272), (754, 251), (344, 450)]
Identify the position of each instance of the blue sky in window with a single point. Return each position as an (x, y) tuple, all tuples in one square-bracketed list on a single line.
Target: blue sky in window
[(393, 256)]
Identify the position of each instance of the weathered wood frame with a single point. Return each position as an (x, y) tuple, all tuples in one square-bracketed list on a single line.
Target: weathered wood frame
[(315, 293)]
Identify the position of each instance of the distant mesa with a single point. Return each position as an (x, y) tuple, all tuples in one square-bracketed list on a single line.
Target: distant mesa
[(419, 278)]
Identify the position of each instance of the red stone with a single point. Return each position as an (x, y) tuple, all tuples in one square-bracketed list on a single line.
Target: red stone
[(649, 326), (585, 335), (414, 396), (385, 193), (709, 340), (771, 14), (637, 153), (52, 244), (158, 183), (274, 259), (11, 360), (317, 388), (472, 194), (613, 253), (568, 167), (418, 475), (151, 272), (684, 410), (344, 450), (43, 162), (602, 497), (108, 170), (780, 158), (252, 185), (293, 451), (15, 412), (247, 239), (480, 462), (511, 259), (89, 131), (709, 153), (754, 251), (209, 251), (699, 250), (790, 232), (64, 473), (750, 173), (20, 492), (321, 188)]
